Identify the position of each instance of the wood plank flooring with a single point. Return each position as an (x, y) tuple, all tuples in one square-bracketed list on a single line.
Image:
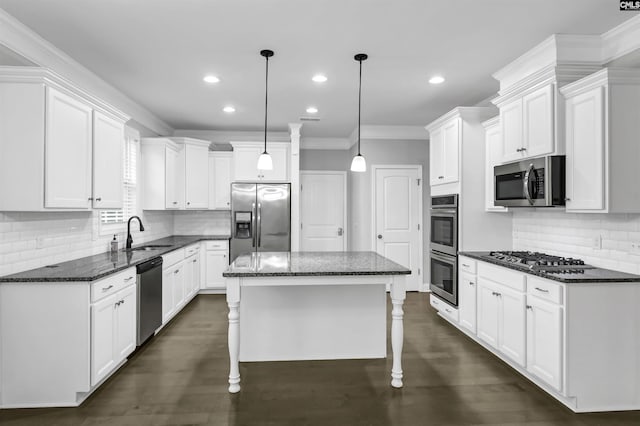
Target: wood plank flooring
[(180, 378)]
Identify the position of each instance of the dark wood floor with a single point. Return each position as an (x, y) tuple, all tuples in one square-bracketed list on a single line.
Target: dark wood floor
[(180, 377)]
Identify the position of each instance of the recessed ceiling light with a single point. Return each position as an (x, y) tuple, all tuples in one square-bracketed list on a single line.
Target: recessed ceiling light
[(436, 79), (211, 79), (312, 110), (319, 78), (229, 109)]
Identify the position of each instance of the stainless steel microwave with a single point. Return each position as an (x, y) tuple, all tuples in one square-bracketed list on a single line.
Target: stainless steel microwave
[(538, 182)]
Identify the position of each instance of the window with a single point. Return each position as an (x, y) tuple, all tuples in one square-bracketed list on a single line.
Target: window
[(130, 181)]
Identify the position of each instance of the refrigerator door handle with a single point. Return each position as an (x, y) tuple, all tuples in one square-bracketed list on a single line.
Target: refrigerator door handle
[(259, 222), (253, 224)]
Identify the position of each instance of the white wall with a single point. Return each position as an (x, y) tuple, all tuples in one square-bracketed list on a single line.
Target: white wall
[(202, 223), (30, 240), (573, 234), (325, 159), (384, 152)]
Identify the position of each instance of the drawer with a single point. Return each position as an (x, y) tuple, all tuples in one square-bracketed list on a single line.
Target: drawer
[(444, 308), (467, 265), (507, 277), (172, 258), (111, 284), (544, 289), (191, 250), (217, 245)]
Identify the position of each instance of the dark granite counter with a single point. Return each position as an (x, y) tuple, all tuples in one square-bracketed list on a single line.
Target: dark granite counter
[(590, 275), (282, 264), (98, 266)]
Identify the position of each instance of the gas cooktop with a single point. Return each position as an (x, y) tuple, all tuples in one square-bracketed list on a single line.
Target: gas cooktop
[(541, 262)]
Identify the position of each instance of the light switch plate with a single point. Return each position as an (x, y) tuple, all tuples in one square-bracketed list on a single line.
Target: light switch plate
[(634, 248), (596, 242)]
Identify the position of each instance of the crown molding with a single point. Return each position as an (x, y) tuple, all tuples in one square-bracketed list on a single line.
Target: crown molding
[(37, 75), (478, 114), (381, 132), (491, 122), (600, 78), (222, 137), (26, 43), (621, 40), (555, 50)]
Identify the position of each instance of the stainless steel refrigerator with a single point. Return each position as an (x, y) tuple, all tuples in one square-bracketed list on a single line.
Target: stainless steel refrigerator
[(260, 217)]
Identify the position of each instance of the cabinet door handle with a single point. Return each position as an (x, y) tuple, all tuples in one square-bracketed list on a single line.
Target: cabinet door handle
[(121, 301), (176, 271), (107, 288), (567, 199), (99, 199), (194, 260), (117, 304), (529, 307), (90, 199), (440, 177), (465, 265), (471, 283), (524, 149), (175, 202), (542, 290)]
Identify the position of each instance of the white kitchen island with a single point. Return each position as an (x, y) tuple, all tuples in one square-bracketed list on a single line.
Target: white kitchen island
[(286, 306)]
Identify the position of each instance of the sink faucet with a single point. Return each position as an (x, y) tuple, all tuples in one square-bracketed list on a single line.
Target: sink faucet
[(129, 239)]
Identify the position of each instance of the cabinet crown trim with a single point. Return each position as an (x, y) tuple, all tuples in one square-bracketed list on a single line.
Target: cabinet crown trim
[(493, 121), (160, 142), (191, 141), (241, 144), (601, 78), (39, 75), (466, 113)]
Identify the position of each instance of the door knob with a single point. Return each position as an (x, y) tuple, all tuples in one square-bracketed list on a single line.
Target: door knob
[(339, 232), (379, 236)]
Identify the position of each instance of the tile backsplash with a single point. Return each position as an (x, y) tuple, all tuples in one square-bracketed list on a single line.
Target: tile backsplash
[(603, 240), (30, 240), (206, 222)]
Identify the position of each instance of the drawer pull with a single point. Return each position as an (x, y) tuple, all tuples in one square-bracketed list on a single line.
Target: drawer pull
[(128, 279), (542, 290), (448, 310), (529, 307), (107, 288), (471, 283), (176, 271), (465, 265)]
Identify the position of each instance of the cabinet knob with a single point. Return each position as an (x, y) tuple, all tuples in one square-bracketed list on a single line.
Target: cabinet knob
[(529, 307), (471, 283), (227, 203), (567, 199), (90, 199), (379, 236), (99, 199), (440, 177), (175, 202), (188, 203)]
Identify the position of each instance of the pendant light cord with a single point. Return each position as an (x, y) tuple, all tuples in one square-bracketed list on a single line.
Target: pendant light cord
[(359, 103), (266, 97)]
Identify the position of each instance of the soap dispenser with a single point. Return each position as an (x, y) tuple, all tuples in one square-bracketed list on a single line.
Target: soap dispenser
[(114, 244)]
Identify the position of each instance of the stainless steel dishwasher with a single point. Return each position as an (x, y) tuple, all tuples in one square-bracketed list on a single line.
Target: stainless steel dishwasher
[(149, 298)]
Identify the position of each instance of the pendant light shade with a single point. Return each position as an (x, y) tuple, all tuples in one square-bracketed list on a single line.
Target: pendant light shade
[(359, 164), (264, 161)]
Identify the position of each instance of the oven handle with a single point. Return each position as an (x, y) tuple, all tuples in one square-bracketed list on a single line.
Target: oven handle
[(527, 192), (444, 258)]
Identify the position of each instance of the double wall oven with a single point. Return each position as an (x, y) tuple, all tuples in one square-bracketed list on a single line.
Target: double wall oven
[(444, 247)]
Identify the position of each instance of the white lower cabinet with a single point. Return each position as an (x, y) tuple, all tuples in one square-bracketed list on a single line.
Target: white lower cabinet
[(216, 262), (172, 288), (467, 301), (544, 341), (501, 318), (113, 331)]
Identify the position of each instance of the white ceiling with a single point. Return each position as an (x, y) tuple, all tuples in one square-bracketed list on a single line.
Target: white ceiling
[(157, 51)]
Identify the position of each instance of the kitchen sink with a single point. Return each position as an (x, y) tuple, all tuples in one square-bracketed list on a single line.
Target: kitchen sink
[(151, 247)]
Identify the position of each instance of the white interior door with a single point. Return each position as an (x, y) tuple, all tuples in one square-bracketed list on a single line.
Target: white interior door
[(398, 216), (323, 211)]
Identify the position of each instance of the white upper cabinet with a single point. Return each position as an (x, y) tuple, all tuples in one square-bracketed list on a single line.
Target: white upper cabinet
[(220, 172), (175, 173), (493, 153), (108, 146), (68, 131), (60, 148), (602, 142), (196, 174), (245, 162), (444, 149), (527, 125)]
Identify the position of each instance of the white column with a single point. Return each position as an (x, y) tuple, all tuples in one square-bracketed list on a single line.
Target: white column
[(398, 294), (233, 301), (294, 173)]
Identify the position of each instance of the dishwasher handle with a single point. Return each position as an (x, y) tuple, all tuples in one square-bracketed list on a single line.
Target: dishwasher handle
[(146, 266)]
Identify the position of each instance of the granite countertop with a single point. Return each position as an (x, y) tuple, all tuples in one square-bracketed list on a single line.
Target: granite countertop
[(313, 263), (590, 275), (98, 266)]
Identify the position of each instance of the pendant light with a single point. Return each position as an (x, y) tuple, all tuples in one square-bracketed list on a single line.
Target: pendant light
[(359, 164), (264, 161)]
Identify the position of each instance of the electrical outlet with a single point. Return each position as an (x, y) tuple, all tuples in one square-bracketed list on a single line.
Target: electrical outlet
[(635, 248), (39, 242), (596, 242)]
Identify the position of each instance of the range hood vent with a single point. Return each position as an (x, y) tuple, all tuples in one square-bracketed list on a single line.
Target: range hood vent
[(309, 118)]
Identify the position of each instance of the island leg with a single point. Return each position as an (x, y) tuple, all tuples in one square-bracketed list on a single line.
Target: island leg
[(233, 301), (398, 295)]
